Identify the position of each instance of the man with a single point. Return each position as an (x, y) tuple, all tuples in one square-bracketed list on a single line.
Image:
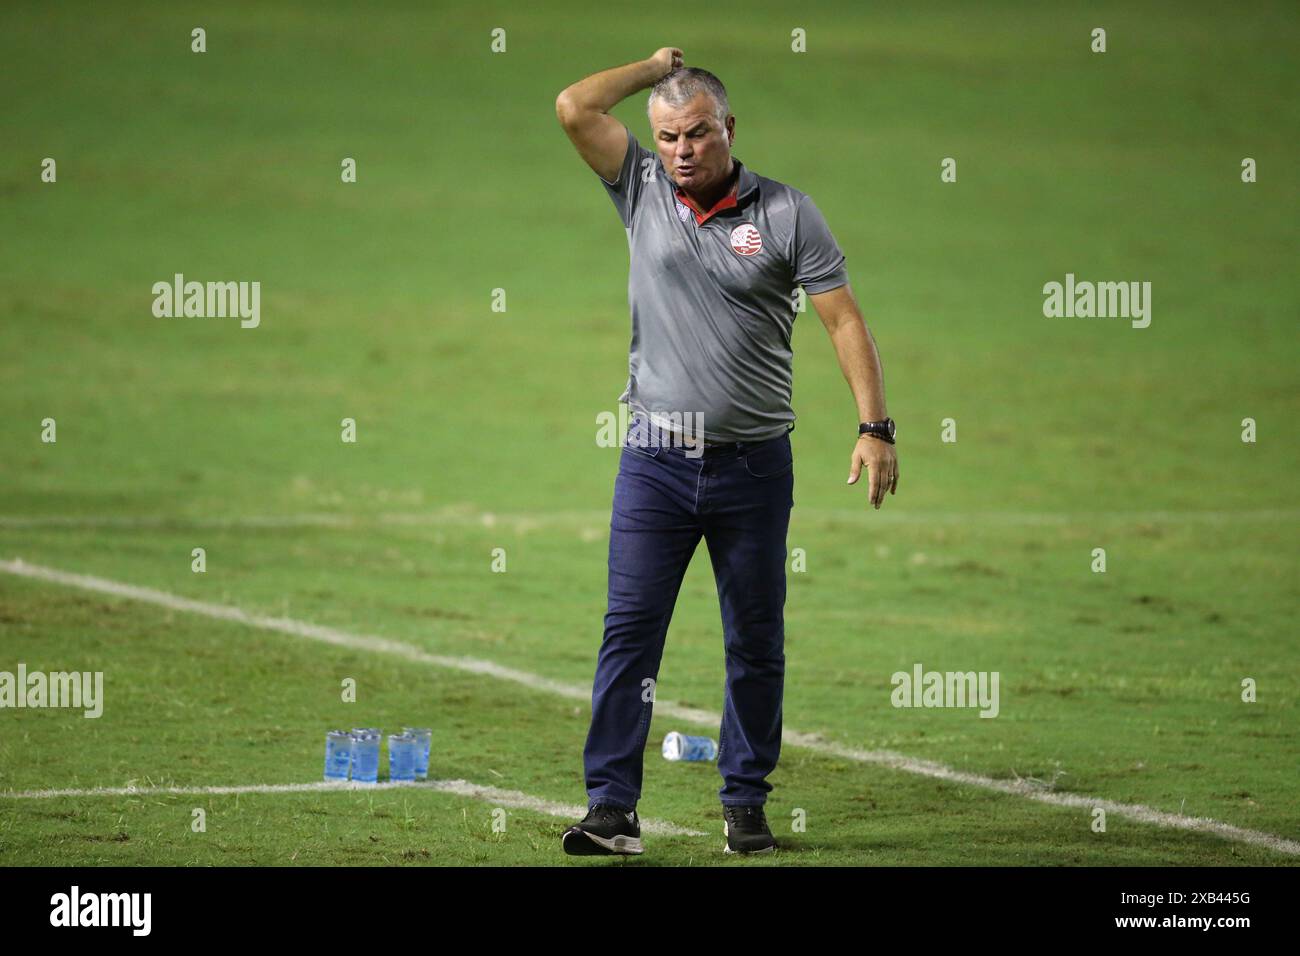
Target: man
[(716, 252)]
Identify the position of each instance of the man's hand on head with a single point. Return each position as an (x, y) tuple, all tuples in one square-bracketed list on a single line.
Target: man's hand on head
[(877, 456), (667, 58)]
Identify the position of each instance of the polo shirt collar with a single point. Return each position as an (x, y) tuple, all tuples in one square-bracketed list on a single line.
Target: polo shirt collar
[(746, 183)]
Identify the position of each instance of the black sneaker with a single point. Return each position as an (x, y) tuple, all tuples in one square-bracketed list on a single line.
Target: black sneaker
[(604, 830), (746, 830)]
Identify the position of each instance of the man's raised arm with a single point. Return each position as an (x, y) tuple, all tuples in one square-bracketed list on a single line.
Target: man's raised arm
[(583, 109)]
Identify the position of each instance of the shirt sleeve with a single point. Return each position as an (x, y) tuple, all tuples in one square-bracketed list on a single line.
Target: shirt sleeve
[(818, 262), (639, 166)]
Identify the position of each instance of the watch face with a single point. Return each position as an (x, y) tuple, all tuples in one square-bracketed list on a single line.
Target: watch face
[(890, 422)]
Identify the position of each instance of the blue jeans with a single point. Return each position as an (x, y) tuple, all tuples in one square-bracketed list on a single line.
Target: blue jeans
[(738, 498)]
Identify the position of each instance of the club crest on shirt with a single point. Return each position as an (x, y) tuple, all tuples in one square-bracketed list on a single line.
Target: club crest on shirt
[(745, 239), (683, 212)]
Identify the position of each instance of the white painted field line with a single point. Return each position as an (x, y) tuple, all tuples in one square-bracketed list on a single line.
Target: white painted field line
[(461, 788), (814, 742), (285, 625), (528, 521), (1037, 791)]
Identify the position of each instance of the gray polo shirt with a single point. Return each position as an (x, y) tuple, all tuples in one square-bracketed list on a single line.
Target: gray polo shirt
[(713, 299)]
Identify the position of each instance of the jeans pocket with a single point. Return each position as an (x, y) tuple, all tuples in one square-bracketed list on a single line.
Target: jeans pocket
[(770, 459), (640, 440), (646, 451)]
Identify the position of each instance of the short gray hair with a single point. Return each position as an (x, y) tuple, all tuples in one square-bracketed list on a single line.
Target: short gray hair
[(682, 85)]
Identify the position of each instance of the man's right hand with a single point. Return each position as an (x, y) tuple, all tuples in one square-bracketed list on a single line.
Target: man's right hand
[(667, 59)]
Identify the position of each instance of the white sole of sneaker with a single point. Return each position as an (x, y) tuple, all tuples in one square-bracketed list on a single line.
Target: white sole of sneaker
[(617, 844)]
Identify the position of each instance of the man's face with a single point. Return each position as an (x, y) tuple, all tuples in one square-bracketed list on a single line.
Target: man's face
[(693, 146)]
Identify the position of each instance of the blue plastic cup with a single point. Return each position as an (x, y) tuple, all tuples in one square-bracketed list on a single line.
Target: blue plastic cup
[(401, 757), (365, 757), (423, 741), (679, 746), (338, 755)]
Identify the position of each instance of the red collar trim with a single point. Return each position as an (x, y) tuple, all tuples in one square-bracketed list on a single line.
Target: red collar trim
[(701, 216)]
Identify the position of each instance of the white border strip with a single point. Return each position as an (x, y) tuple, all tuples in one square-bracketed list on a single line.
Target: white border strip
[(460, 788), (813, 742)]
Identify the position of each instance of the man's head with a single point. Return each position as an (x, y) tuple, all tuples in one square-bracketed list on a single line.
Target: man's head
[(693, 128)]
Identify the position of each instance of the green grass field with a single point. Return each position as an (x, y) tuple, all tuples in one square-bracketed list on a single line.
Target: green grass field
[(476, 429)]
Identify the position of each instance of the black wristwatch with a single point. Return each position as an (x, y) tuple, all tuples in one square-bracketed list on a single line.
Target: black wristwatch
[(882, 430)]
